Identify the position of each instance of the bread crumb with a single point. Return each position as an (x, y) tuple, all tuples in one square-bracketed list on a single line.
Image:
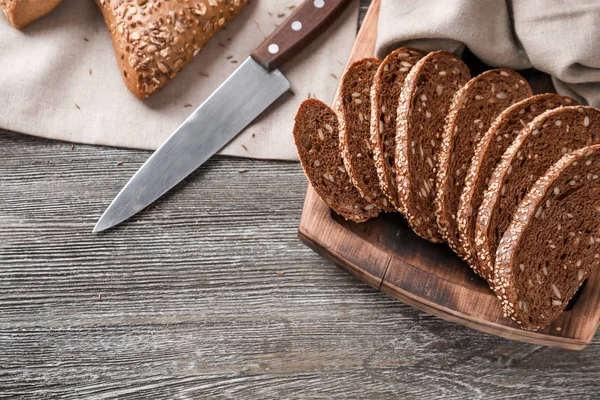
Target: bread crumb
[(229, 57), (281, 15), (204, 74), (100, 297), (119, 162), (280, 272), (244, 147), (187, 105), (86, 39), (333, 75), (558, 328), (72, 146), (241, 171), (90, 71), (254, 134), (221, 44), (76, 105)]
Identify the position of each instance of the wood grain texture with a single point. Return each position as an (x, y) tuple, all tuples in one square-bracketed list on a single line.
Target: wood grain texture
[(287, 41), (192, 307)]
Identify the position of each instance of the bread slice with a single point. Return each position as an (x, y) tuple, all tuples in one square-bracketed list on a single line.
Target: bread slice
[(542, 143), (354, 114), (385, 93), (488, 152), (553, 242), (474, 107), (424, 102), (316, 134), (154, 40)]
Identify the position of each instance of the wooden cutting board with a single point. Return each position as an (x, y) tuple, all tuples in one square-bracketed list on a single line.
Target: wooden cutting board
[(387, 255)]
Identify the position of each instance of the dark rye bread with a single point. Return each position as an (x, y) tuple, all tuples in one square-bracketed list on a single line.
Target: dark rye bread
[(385, 93), (354, 114), (316, 134), (474, 107), (553, 243), (488, 152), (424, 101), (542, 143)]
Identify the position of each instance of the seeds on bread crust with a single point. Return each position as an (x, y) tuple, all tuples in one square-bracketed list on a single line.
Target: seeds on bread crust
[(354, 114), (154, 40), (424, 101), (385, 93), (553, 242), (316, 137), (487, 154), (548, 137), (474, 107)]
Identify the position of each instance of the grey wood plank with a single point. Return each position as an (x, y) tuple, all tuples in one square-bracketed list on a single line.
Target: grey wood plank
[(192, 305)]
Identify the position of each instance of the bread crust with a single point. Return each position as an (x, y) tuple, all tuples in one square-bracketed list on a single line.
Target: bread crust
[(153, 40), (423, 225), (391, 72), (355, 143), (21, 13), (485, 242), (447, 193), (318, 151), (501, 133), (504, 281)]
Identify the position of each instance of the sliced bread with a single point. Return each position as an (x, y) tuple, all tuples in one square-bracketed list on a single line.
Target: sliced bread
[(542, 143), (424, 102), (553, 242), (488, 152), (316, 134), (354, 114), (385, 93), (474, 107)]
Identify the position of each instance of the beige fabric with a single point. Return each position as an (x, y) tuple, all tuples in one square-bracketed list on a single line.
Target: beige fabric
[(556, 37), (47, 89)]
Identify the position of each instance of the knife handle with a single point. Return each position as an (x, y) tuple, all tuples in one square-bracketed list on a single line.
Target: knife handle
[(308, 20)]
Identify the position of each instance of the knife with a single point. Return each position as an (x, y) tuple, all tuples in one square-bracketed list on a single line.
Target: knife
[(250, 90)]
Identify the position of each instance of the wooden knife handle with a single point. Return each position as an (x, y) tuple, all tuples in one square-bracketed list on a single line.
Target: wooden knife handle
[(297, 31)]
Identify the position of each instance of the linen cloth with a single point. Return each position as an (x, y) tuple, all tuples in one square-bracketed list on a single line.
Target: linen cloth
[(59, 79), (559, 37)]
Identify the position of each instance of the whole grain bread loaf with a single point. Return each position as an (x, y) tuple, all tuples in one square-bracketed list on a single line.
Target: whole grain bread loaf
[(316, 134), (424, 102), (542, 143), (488, 152), (153, 40), (553, 242), (385, 93), (21, 13), (354, 114), (474, 107)]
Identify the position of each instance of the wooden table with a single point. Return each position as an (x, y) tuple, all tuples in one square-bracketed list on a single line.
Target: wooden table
[(209, 293)]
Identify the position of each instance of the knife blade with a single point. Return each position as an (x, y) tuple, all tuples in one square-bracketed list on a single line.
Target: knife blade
[(250, 90)]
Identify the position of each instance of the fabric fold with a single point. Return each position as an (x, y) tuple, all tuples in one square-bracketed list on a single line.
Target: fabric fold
[(60, 80), (558, 38)]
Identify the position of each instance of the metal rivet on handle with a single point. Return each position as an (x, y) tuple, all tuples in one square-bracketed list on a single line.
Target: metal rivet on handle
[(319, 3), (296, 25), (273, 48)]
